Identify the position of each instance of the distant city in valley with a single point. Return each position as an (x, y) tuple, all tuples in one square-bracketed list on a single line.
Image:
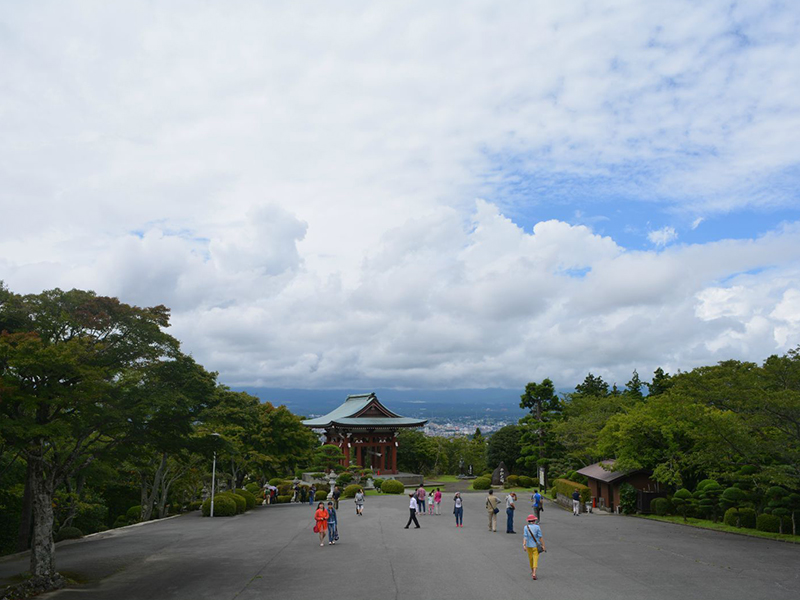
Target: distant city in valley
[(449, 412)]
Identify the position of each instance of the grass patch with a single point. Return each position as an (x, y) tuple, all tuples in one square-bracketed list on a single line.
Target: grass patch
[(445, 479), (720, 526)]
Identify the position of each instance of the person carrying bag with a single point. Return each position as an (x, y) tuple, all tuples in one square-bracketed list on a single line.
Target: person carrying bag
[(533, 543)]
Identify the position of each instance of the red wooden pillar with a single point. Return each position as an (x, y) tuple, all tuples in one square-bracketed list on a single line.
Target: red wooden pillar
[(394, 458), (346, 452)]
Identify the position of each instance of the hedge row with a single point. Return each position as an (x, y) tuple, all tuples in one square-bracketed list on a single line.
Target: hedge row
[(566, 487)]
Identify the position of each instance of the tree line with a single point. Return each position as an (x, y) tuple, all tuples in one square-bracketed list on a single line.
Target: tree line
[(103, 419)]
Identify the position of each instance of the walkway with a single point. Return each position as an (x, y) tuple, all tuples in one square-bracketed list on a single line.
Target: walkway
[(271, 552)]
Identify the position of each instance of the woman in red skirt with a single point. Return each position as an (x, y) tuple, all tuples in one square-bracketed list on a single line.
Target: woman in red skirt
[(321, 522)]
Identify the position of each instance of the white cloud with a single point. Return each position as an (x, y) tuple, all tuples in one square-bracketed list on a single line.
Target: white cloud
[(297, 182), (662, 237)]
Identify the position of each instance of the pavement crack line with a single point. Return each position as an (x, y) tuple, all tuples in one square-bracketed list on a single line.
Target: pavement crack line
[(388, 558), (266, 564)]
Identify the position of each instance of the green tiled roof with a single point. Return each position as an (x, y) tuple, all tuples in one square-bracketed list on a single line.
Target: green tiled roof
[(343, 415)]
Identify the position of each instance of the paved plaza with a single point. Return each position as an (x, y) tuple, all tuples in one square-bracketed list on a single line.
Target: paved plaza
[(271, 552)]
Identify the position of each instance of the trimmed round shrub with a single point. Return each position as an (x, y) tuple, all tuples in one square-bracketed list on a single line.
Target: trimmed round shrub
[(194, 505), (249, 498), (378, 483), (283, 499), (134, 514), (344, 479), (224, 506), (120, 521), (392, 486), (747, 518), (276, 481), (553, 493), (482, 483), (350, 491), (768, 523), (512, 481), (68, 533), (254, 489), (526, 482), (661, 506), (241, 503)]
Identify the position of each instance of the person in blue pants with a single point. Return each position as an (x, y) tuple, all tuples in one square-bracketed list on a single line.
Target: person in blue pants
[(458, 509), (333, 529), (511, 505)]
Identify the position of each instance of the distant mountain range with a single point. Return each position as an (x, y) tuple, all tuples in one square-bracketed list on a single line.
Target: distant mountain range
[(495, 403)]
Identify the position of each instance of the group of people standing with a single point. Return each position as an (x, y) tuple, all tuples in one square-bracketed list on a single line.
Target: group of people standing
[(416, 504)]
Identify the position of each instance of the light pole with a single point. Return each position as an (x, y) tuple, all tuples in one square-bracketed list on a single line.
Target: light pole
[(213, 477)]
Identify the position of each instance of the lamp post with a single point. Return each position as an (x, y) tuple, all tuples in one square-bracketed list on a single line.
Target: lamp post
[(213, 477)]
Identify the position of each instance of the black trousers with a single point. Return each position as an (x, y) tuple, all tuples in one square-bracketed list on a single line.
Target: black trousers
[(412, 517)]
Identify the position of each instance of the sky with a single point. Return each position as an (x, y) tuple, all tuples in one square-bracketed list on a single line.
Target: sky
[(413, 195)]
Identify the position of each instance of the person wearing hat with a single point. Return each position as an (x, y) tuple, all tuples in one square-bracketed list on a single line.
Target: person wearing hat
[(533, 543)]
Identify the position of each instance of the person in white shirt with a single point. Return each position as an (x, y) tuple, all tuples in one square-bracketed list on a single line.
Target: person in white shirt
[(412, 507), (511, 500), (458, 509)]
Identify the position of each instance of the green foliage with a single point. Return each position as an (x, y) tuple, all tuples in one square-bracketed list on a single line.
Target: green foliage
[(526, 482), (682, 500), (276, 481), (481, 483), (553, 492), (327, 457), (661, 506), (378, 483), (285, 489), (283, 499), (627, 498), (350, 491), (504, 446), (196, 505), (120, 521), (254, 489), (392, 486), (770, 523), (740, 517), (708, 495), (224, 506), (512, 481), (249, 499), (134, 514), (68, 533), (344, 479), (240, 502)]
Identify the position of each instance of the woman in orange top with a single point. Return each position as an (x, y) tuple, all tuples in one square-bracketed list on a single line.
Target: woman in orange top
[(321, 526)]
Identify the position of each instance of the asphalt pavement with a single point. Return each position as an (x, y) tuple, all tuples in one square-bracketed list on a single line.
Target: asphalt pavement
[(272, 552)]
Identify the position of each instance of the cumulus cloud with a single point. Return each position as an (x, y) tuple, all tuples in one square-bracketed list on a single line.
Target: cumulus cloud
[(298, 182)]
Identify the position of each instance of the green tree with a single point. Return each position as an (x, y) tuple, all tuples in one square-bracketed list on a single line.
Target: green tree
[(504, 445), (416, 452), (327, 457), (592, 386), (634, 386), (66, 373), (661, 382)]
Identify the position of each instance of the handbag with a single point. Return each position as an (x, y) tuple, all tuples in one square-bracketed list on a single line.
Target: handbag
[(316, 527)]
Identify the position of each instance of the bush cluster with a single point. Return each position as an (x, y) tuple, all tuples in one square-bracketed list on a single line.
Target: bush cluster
[(378, 483), (392, 486), (526, 482), (68, 533), (350, 491), (254, 489), (566, 487), (224, 506), (276, 481), (661, 506), (249, 498), (241, 503), (196, 505), (134, 514), (512, 481), (740, 517), (482, 483), (344, 479), (283, 499)]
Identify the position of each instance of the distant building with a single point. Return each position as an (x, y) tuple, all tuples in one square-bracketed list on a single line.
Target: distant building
[(365, 431), (605, 483)]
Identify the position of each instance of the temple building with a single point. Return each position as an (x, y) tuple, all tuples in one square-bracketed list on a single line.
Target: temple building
[(365, 431)]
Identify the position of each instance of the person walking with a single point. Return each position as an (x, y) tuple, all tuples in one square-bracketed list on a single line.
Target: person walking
[(360, 502), (533, 543), (421, 500), (336, 494), (458, 509), (311, 493), (437, 500), (511, 505), (303, 494), (491, 508), (412, 508), (537, 505), (576, 503), (333, 525), (321, 522)]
